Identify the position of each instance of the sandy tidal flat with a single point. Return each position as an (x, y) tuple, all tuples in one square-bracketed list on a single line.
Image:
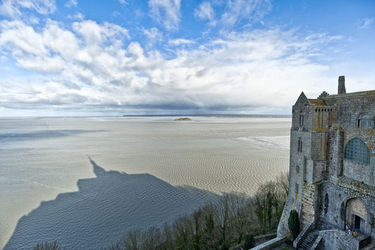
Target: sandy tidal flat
[(47, 170)]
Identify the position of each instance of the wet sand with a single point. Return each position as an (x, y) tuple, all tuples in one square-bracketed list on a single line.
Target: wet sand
[(43, 159)]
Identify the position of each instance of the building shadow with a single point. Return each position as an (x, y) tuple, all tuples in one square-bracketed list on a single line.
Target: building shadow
[(104, 209), (43, 134)]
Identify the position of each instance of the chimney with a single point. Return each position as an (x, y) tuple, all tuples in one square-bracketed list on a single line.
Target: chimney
[(341, 89)]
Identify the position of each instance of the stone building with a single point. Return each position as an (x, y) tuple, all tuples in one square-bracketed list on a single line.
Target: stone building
[(332, 170)]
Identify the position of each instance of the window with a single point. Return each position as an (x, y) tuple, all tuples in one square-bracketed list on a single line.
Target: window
[(296, 187), (356, 150), (326, 204), (365, 122), (297, 169), (301, 120), (300, 145)]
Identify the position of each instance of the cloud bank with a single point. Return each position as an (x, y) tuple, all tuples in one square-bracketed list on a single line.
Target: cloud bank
[(96, 65), (105, 68)]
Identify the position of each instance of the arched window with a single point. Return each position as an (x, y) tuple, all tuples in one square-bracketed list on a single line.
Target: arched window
[(299, 145), (365, 121), (356, 150)]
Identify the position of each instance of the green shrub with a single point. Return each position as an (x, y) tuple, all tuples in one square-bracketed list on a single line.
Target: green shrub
[(289, 242), (293, 223), (249, 242), (224, 247)]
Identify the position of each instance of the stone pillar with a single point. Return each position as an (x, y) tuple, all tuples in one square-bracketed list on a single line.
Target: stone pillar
[(335, 150), (341, 88)]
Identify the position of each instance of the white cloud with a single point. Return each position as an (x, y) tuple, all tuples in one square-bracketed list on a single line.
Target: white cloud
[(123, 2), (8, 9), (33, 20), (71, 3), (21, 39), (11, 8), (116, 13), (365, 23), (78, 16), (244, 9), (94, 33), (205, 11), (166, 12), (92, 68), (234, 11), (153, 34), (180, 41)]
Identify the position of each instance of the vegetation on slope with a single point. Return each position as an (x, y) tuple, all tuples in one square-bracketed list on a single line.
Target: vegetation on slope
[(214, 226)]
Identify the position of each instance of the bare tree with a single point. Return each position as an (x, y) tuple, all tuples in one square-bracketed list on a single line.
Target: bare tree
[(132, 240), (183, 231), (283, 183), (151, 238), (168, 241), (222, 217), (270, 199)]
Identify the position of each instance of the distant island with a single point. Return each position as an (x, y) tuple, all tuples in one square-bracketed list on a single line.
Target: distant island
[(183, 119)]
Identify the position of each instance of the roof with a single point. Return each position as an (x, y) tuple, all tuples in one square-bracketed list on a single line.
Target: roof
[(317, 102)]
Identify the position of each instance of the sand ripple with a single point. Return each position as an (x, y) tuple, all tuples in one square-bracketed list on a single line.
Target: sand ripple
[(42, 158)]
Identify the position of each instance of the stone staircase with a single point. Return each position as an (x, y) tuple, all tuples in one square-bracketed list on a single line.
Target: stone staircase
[(371, 246), (308, 243), (307, 210), (365, 243)]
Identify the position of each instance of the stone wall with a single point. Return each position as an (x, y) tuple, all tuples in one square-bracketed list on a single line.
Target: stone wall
[(348, 110), (345, 197), (336, 239), (331, 212), (322, 117), (319, 145), (349, 107), (319, 170), (359, 172)]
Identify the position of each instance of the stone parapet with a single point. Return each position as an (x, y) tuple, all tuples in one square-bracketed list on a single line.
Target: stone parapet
[(356, 188), (339, 239), (270, 244)]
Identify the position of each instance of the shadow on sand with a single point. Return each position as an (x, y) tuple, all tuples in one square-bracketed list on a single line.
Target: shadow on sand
[(104, 209), (43, 134)]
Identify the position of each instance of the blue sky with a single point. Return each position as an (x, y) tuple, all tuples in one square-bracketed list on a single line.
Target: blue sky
[(117, 57)]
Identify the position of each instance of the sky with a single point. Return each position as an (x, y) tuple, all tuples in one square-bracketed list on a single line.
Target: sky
[(156, 57)]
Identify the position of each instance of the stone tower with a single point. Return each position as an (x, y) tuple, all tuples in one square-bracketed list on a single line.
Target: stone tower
[(341, 88)]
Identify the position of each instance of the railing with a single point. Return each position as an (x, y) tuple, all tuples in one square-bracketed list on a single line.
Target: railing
[(318, 242), (271, 244)]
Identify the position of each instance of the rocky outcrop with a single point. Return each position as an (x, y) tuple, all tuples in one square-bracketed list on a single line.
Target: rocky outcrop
[(183, 119)]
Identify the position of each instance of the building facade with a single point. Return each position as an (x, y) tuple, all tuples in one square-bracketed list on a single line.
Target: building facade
[(332, 169)]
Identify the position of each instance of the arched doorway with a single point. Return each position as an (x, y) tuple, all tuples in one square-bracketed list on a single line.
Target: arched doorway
[(356, 214)]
